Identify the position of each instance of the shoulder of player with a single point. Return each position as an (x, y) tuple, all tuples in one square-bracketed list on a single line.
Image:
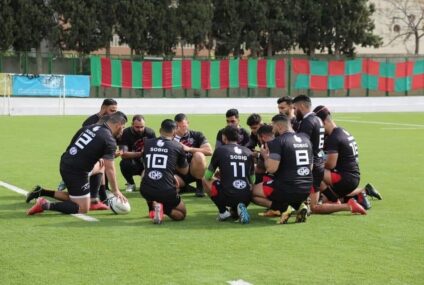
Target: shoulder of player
[(149, 132)]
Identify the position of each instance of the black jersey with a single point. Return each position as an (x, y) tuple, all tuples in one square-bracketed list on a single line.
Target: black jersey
[(133, 141), (242, 140), (313, 128), (235, 165), (192, 139), (93, 119), (161, 157), (294, 151), (253, 142), (87, 146), (343, 143), (295, 124)]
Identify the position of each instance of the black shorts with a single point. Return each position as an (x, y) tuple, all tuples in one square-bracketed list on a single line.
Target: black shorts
[(188, 178), (343, 183), (285, 194), (78, 183), (169, 198), (230, 199)]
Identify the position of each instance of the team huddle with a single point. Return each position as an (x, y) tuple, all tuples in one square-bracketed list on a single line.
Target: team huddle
[(301, 163)]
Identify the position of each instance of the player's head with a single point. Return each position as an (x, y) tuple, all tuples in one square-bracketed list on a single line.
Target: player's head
[(182, 123), (167, 128), (230, 134), (109, 106), (324, 114), (116, 122), (232, 116), (285, 105), (301, 105), (265, 133), (281, 124), (254, 121), (138, 124)]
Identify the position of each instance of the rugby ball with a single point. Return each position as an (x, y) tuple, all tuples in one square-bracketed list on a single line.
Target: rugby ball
[(118, 207)]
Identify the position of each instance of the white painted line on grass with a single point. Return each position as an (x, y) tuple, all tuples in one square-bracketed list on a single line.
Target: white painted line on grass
[(381, 123), (239, 282), (403, 129), (24, 192)]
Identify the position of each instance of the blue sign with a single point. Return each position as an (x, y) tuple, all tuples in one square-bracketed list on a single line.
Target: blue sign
[(51, 85)]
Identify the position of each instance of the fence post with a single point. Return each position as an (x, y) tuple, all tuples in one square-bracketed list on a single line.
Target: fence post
[(50, 65), (97, 91), (406, 76), (228, 92), (120, 92), (387, 92)]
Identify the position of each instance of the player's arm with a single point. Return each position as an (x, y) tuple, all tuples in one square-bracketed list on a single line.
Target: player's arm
[(271, 158), (125, 154), (213, 165), (206, 149), (111, 176), (331, 161)]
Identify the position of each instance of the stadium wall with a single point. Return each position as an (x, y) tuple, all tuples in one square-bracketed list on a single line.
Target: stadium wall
[(87, 106)]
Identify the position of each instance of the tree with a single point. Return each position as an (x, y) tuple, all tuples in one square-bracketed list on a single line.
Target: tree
[(132, 24), (195, 23), (404, 19), (33, 23), (7, 25), (308, 25), (162, 29), (346, 23), (81, 26), (253, 15), (227, 27)]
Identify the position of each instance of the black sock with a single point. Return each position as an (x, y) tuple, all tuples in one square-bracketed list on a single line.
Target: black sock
[(47, 193), (102, 193), (221, 206), (331, 196), (150, 205), (66, 207), (95, 181), (199, 184)]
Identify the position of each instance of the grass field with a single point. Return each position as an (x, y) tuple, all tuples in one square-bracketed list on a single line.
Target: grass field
[(384, 247)]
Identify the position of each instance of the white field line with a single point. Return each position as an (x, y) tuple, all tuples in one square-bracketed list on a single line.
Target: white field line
[(24, 193), (402, 129), (381, 123)]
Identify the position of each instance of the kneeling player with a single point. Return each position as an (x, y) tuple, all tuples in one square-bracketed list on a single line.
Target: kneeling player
[(163, 158), (233, 188), (289, 158)]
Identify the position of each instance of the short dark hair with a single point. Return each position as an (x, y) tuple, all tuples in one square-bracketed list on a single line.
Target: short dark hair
[(231, 133), (265, 129), (287, 99), (322, 112), (168, 125), (117, 117), (302, 99), (280, 118), (232, 112), (137, 118), (254, 119), (109, 102), (180, 117)]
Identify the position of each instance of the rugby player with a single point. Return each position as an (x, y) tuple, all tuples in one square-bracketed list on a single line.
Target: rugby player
[(232, 116), (285, 106), (88, 146), (232, 190), (289, 158), (197, 148), (254, 121), (131, 145), (163, 158), (108, 107)]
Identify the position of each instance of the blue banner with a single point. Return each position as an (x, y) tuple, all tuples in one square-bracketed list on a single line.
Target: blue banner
[(51, 85)]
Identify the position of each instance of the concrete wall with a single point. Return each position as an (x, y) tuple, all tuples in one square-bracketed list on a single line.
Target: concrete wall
[(73, 106)]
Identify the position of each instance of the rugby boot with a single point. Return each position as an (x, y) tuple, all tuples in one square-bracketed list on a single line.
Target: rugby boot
[(363, 200), (243, 214), (199, 193), (35, 193), (158, 213), (224, 216), (372, 192), (270, 213), (302, 213), (356, 208), (285, 216), (98, 206), (38, 207)]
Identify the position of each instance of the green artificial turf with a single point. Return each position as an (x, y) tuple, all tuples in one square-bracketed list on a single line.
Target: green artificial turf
[(384, 247)]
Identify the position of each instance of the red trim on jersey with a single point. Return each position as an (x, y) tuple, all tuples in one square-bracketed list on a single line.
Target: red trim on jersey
[(267, 189), (335, 178), (266, 178), (214, 190)]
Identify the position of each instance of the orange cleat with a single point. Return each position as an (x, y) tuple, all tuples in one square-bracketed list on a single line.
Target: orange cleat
[(356, 208), (98, 206), (38, 207)]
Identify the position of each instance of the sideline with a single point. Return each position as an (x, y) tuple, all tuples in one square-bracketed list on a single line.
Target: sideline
[(24, 192), (381, 123)]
